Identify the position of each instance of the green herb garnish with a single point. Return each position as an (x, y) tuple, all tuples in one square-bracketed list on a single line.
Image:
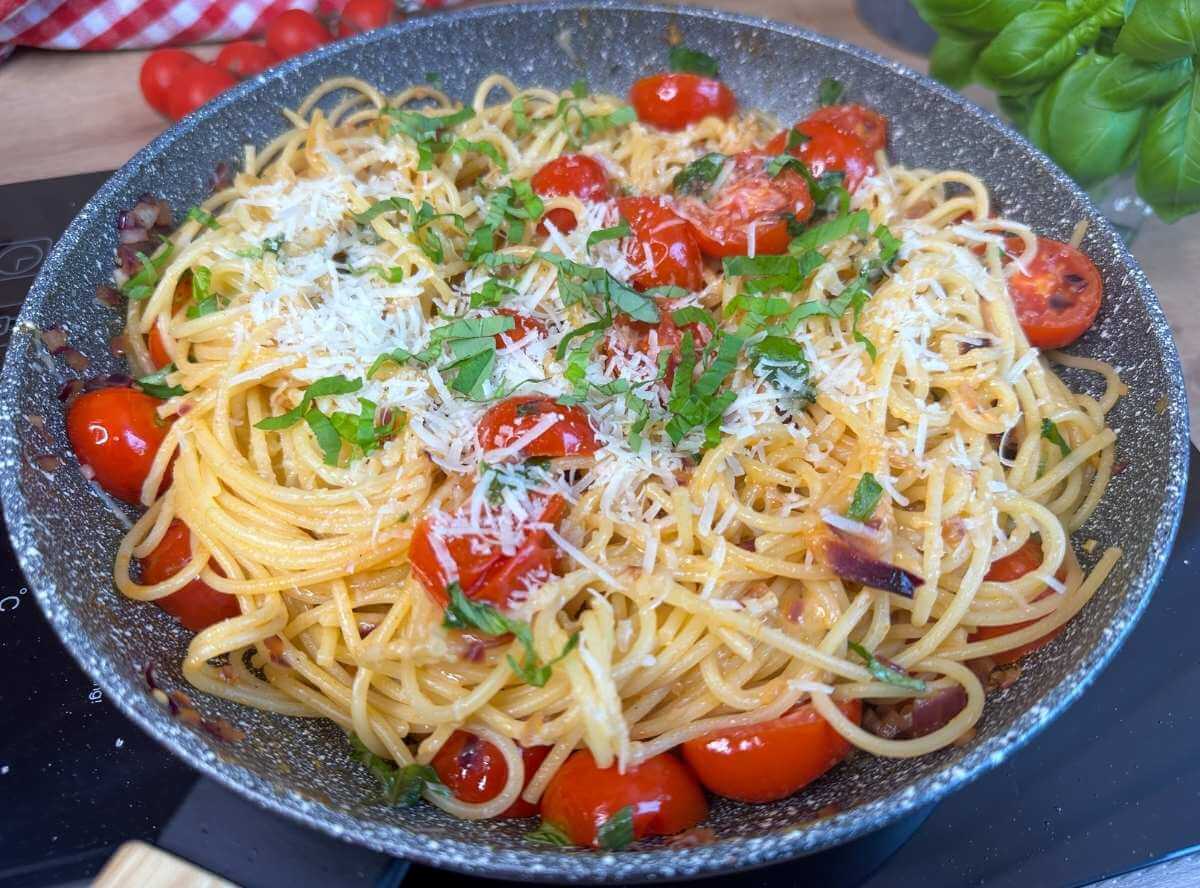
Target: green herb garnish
[(204, 217), (402, 784), (155, 384), (880, 671), (830, 91), (865, 499), (617, 831), (1051, 433), (691, 61), (697, 176), (616, 232), (548, 834), (142, 284)]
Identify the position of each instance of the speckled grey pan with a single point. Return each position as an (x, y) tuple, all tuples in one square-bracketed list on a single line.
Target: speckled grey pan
[(65, 537)]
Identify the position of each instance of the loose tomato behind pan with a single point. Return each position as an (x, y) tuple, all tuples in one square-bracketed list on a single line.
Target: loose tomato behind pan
[(674, 101), (197, 605), (1057, 297), (159, 72), (474, 771)]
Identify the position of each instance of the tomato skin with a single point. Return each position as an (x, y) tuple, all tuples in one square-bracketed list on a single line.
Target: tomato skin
[(628, 336), (828, 149), (770, 760), (295, 32), (195, 86), (523, 326), (572, 435), (116, 432), (243, 59), (157, 348), (581, 797), (474, 771), (159, 72), (1004, 570), (1058, 297), (197, 605), (359, 16), (568, 175), (673, 101), (869, 126), (748, 197), (675, 255)]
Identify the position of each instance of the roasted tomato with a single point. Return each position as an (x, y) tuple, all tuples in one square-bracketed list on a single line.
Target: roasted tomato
[(523, 327), (750, 207), (197, 605), (1005, 570), (662, 245), (826, 149), (770, 760), (662, 792), (673, 101), (570, 435), (158, 348), (569, 175), (1058, 296), (869, 126), (116, 432), (475, 771), (628, 337)]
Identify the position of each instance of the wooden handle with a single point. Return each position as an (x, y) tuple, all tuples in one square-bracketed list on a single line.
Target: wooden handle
[(137, 863)]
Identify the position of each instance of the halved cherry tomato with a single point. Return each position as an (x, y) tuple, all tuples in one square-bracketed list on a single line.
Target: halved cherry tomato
[(474, 771), (629, 337), (364, 15), (296, 31), (827, 149), (116, 432), (485, 573), (159, 72), (770, 760), (869, 126), (197, 605), (673, 101), (158, 348), (523, 327), (664, 795), (1004, 570), (748, 197), (569, 174), (196, 86), (571, 435), (662, 245), (243, 59), (1058, 296)]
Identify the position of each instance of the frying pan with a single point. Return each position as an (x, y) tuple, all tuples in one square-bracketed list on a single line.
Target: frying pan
[(65, 535)]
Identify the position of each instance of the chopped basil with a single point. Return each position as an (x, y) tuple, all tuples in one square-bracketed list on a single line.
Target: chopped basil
[(691, 61), (865, 499), (889, 245), (666, 291), (579, 89), (795, 139), (468, 339), (419, 218), (204, 217), (155, 384), (617, 831), (781, 162), (142, 284), (464, 613), (882, 672), (617, 232), (694, 314), (491, 293), (327, 385), (830, 91), (360, 430), (586, 283), (269, 245), (464, 146), (763, 274), (856, 223), (204, 301), (402, 784), (697, 176), (508, 210), (327, 436), (697, 404), (430, 133), (782, 362), (393, 275), (548, 834), (589, 124), (1051, 433), (520, 116)]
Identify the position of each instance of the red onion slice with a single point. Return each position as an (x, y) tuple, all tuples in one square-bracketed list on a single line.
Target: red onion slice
[(851, 563), (935, 711), (109, 296), (75, 359), (54, 338), (49, 462)]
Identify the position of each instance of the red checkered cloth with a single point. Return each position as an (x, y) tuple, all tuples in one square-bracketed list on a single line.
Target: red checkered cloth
[(131, 24)]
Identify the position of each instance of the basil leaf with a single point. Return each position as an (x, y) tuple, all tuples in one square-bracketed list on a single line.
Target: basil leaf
[(693, 314), (1051, 433), (830, 91), (617, 831), (327, 436), (889, 244), (691, 61), (1126, 84), (269, 245), (1158, 31), (697, 176), (520, 118), (579, 89), (666, 291), (763, 274), (887, 674), (606, 234), (474, 372), (1168, 175), (155, 384), (204, 301), (629, 301), (782, 362), (865, 499), (978, 18), (327, 385), (204, 217), (795, 139), (856, 223), (491, 293), (548, 834), (393, 275), (141, 285), (537, 674), (402, 785), (864, 341), (952, 59), (388, 205), (462, 146)]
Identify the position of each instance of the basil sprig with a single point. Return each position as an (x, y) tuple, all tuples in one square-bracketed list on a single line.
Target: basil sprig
[(141, 284), (697, 176)]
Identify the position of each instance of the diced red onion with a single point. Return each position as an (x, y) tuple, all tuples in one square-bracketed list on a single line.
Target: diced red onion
[(222, 730), (87, 471), (54, 338), (852, 563), (221, 176), (887, 721), (118, 346), (935, 711), (70, 389), (109, 296), (75, 359), (49, 462)]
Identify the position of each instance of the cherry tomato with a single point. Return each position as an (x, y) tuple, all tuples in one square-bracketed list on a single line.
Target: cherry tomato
[(629, 337), (869, 126), (195, 86), (485, 573), (158, 348), (117, 432), (770, 760), (364, 15), (673, 101), (569, 174), (523, 327), (159, 72), (475, 772), (1005, 570), (294, 32), (244, 59), (197, 605), (748, 197), (827, 149), (664, 795), (665, 240), (571, 435), (1058, 296)]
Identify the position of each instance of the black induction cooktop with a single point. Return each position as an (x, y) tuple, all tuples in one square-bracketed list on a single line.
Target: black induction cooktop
[(1112, 786)]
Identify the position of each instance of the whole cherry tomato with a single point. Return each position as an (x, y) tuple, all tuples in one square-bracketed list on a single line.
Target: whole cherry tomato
[(662, 245), (294, 32), (1057, 297), (673, 101), (194, 87), (116, 432), (569, 174), (570, 435), (869, 126), (474, 771), (243, 59), (197, 605), (159, 72), (364, 15)]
